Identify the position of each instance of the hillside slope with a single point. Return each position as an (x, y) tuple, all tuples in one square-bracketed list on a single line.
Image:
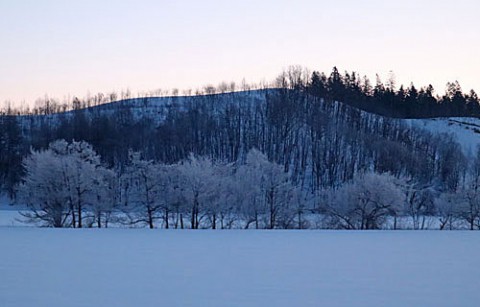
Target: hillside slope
[(319, 143), (151, 108), (465, 130)]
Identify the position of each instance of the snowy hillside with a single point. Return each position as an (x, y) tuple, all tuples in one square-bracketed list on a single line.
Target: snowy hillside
[(152, 108), (465, 130)]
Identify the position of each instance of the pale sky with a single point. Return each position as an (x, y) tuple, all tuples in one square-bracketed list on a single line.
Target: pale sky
[(65, 47)]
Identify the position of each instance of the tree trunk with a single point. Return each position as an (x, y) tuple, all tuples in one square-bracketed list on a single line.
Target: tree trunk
[(272, 212), (177, 219), (166, 219), (192, 221), (300, 219), (79, 216), (150, 218), (442, 225), (74, 220), (196, 218)]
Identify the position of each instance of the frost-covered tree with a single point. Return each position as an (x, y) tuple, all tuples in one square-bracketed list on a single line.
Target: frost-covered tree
[(197, 181), (447, 210), (366, 202), (465, 203), (251, 200), (43, 190), (452, 163), (469, 206), (174, 202), (144, 184), (81, 168), (108, 195), (60, 183), (218, 202), (267, 190), (419, 203), (302, 203), (462, 204)]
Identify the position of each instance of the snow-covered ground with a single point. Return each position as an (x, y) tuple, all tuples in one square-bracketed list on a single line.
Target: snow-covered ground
[(5, 202), (9, 218), (9, 215), (119, 267)]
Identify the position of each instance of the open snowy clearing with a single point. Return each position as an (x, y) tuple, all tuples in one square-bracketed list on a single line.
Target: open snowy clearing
[(120, 267)]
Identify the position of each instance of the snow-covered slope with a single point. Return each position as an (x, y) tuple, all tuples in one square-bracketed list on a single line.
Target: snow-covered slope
[(465, 130), (152, 108)]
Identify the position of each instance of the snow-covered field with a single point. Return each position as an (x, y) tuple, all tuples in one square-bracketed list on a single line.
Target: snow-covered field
[(9, 215), (125, 267), (9, 218)]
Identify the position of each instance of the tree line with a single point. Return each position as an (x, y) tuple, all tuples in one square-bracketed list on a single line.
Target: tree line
[(383, 98), (66, 185)]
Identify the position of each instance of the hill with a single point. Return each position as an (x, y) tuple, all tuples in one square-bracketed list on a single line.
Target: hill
[(319, 142)]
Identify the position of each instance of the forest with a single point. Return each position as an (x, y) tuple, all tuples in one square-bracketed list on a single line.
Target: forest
[(310, 152)]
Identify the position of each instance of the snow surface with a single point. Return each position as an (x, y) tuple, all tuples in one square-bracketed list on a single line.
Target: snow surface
[(120, 267), (5, 202), (9, 218), (9, 214)]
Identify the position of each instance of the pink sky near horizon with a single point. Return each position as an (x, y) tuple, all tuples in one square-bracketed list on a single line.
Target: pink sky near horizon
[(63, 48)]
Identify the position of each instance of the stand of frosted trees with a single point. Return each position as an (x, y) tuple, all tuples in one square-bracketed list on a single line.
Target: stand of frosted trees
[(66, 185)]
